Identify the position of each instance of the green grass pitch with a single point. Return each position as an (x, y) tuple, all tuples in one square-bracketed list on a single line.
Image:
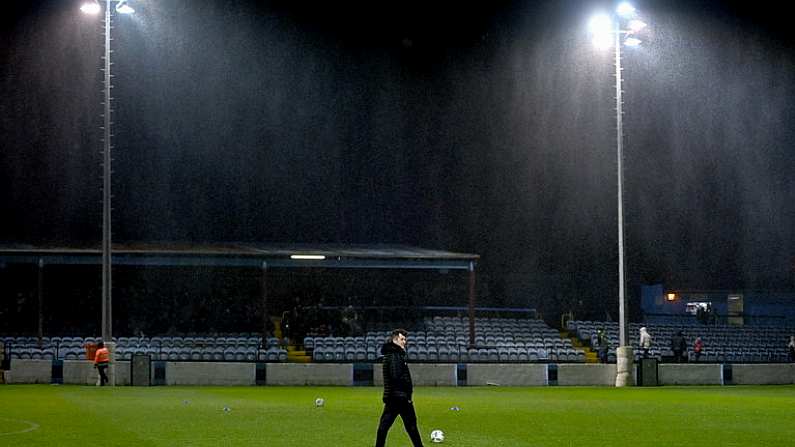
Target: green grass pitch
[(49, 415)]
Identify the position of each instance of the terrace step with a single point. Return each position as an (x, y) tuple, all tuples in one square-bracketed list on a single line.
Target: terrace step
[(294, 355), (590, 355), (277, 327)]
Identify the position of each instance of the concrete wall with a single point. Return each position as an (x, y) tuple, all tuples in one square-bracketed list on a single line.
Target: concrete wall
[(586, 374), (82, 372), (122, 373), (509, 374), (297, 374), (209, 373), (445, 374), (30, 371), (763, 374), (689, 374), (424, 374)]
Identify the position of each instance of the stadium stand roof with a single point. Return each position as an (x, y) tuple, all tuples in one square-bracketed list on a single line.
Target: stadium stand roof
[(245, 255)]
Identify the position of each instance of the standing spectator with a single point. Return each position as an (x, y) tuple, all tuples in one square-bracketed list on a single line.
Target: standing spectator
[(791, 347), (645, 341), (679, 347), (701, 315), (603, 344), (101, 362), (698, 346)]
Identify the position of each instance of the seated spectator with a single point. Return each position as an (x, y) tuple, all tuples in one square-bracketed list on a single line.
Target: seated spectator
[(791, 347), (698, 346)]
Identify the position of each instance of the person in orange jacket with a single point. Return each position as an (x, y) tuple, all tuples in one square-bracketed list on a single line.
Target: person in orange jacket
[(101, 362)]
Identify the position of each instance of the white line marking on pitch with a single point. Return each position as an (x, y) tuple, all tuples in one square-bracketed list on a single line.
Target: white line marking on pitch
[(31, 426)]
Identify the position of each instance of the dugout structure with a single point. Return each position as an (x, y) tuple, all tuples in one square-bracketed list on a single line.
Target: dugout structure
[(250, 255)]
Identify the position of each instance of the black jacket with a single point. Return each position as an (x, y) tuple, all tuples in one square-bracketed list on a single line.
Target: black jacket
[(397, 377), (678, 343)]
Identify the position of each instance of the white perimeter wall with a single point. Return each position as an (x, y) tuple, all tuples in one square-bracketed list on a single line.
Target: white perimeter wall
[(507, 374), (763, 374), (210, 373), (586, 374), (689, 374), (82, 372), (443, 374), (297, 374), (30, 371)]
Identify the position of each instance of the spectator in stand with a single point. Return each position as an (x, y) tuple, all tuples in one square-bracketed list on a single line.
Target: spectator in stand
[(710, 315), (101, 362), (701, 315), (603, 345), (679, 347), (791, 347), (698, 346), (286, 325), (645, 341)]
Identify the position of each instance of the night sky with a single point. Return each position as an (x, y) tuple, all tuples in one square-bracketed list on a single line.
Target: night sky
[(487, 129)]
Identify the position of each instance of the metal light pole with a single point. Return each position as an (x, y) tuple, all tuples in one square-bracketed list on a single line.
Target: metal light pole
[(623, 340), (602, 27), (107, 248), (93, 7)]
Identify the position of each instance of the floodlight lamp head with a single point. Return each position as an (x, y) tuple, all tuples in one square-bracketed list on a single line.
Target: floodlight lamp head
[(632, 42), (124, 8), (600, 24), (602, 41), (90, 7), (626, 10), (636, 25), (601, 29)]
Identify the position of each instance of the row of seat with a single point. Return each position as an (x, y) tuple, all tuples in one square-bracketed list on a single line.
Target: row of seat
[(67, 343), (446, 339), (444, 355), (720, 343)]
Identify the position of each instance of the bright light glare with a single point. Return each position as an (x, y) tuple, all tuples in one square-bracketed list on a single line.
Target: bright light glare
[(602, 41), (636, 25), (632, 42), (600, 24), (626, 10), (124, 8), (308, 257), (90, 8)]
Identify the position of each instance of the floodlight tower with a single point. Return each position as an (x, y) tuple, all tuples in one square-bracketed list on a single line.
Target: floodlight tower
[(617, 30), (94, 8)]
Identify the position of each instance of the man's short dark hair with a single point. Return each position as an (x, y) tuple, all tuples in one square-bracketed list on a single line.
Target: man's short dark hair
[(399, 331), (100, 345)]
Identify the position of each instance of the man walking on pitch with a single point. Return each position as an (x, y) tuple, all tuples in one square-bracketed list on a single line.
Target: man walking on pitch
[(397, 390)]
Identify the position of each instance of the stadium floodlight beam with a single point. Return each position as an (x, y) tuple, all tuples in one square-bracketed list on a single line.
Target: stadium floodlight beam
[(606, 29), (124, 8), (93, 7)]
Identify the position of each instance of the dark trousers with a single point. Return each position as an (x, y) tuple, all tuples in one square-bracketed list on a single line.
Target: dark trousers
[(393, 409), (103, 377)]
